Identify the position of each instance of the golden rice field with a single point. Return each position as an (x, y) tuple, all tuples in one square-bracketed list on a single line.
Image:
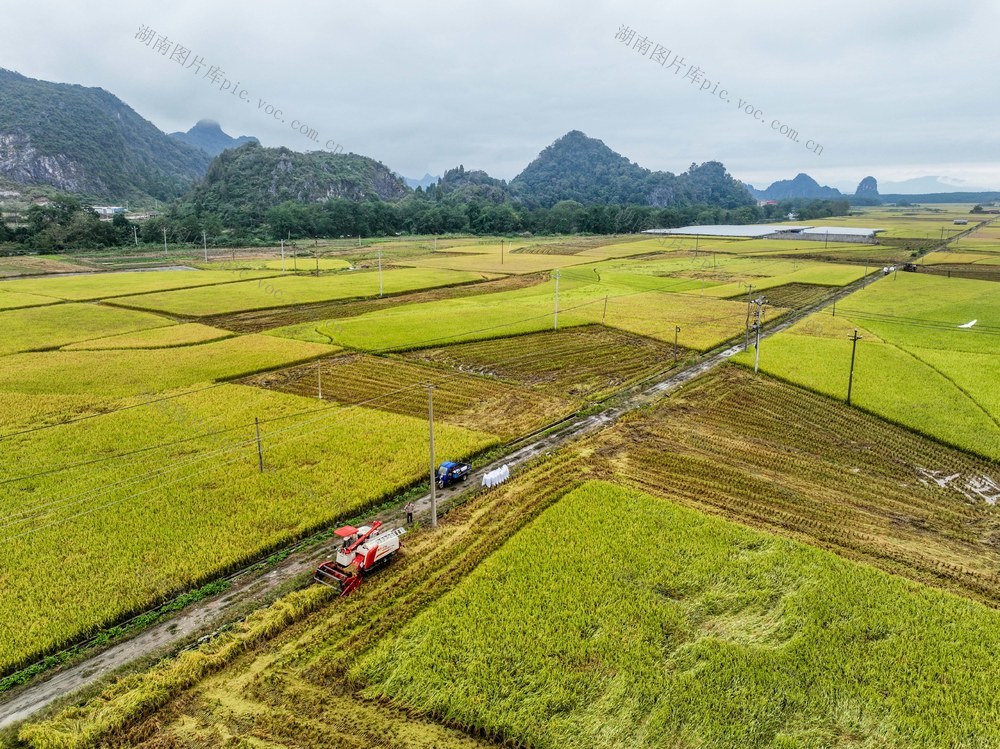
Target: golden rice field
[(120, 373), (90, 286), (748, 563), (619, 619), (280, 291), (645, 297), (643, 622), (116, 513), (17, 299), (169, 336), (41, 328)]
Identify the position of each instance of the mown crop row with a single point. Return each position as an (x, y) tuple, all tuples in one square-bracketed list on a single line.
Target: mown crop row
[(796, 295), (581, 362), (927, 358), (784, 459), (475, 402)]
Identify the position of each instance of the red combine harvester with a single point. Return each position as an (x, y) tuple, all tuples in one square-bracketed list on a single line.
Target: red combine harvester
[(362, 550)]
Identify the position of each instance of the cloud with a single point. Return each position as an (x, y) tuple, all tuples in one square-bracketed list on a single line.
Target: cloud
[(886, 88)]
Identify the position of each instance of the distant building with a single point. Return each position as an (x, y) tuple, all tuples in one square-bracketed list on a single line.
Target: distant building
[(833, 234), (961, 221), (40, 201), (107, 211), (856, 235)]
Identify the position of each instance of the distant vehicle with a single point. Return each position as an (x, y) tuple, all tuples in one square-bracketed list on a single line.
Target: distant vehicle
[(450, 472), (910, 267)]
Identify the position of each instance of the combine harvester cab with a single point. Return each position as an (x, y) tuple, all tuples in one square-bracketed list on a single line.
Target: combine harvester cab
[(361, 550)]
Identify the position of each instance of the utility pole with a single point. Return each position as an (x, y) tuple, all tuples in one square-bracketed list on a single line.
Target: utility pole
[(756, 350), (555, 317), (758, 315), (677, 329), (319, 378), (380, 272), (135, 234), (604, 314), (854, 347), (430, 418), (746, 341), (164, 241), (204, 243), (260, 447)]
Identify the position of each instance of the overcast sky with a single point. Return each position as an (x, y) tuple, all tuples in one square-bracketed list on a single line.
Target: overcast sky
[(894, 89)]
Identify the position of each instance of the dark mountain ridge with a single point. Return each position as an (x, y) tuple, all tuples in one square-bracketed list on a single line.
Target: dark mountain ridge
[(576, 167), (242, 183), (87, 140), (208, 136)]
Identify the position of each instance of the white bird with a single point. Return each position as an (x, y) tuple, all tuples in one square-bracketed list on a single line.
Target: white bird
[(969, 324)]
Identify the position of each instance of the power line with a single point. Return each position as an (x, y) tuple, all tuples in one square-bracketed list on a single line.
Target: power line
[(61, 503), (665, 288), (156, 474), (64, 501), (162, 445), (921, 322), (418, 344), (112, 411)]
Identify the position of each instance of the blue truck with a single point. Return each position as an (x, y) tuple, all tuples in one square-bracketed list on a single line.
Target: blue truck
[(450, 472)]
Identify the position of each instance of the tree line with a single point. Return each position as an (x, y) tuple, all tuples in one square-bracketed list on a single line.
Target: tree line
[(66, 223)]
